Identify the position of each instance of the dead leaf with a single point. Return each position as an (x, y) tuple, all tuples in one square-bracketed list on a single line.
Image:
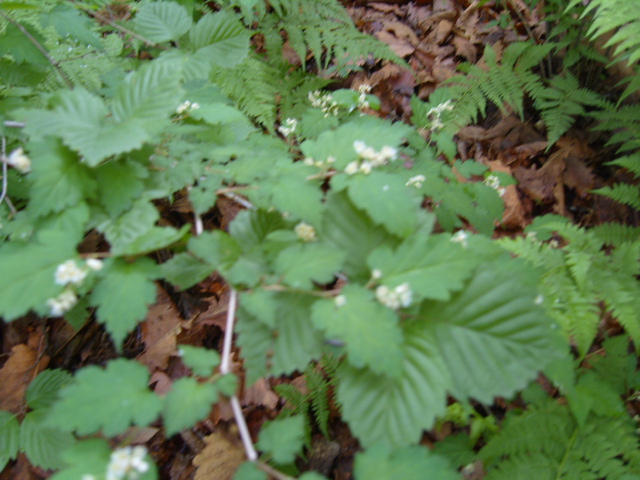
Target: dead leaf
[(515, 212), (159, 332), (466, 49), (219, 460), (24, 364), (259, 394), (400, 47), (403, 32)]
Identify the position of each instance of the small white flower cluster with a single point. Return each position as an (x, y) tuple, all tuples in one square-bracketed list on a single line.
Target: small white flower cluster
[(435, 114), (305, 232), (325, 102), (289, 127), (400, 296), (19, 160), (187, 106), (127, 463), (363, 89), (69, 274), (460, 237), (416, 181), (319, 163), (340, 301), (369, 158), (492, 181)]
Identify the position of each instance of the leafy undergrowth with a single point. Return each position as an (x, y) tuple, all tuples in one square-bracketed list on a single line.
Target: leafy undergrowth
[(306, 239)]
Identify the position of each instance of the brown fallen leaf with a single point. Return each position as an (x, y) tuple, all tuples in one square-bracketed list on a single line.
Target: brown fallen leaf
[(24, 364), (259, 394), (159, 332), (400, 47), (219, 460)]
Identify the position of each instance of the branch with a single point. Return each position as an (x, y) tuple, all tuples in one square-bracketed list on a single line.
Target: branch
[(42, 50)]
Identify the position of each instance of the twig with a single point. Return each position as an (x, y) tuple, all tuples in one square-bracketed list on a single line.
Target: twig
[(40, 48), (252, 455), (11, 124), (125, 30), (238, 199)]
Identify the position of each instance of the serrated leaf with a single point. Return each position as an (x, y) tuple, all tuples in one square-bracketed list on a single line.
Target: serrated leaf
[(162, 21), (261, 304), (433, 267), (15, 43), (396, 411), (123, 294), (201, 360), (249, 471), (120, 390), (70, 22), (299, 264), (186, 403), (149, 95), (185, 270), (290, 346), (119, 183), (9, 438), (492, 336), (28, 271), (387, 200), (282, 439), (221, 38), (408, 463), (129, 226), (80, 119), (43, 391), (251, 227), (60, 180), (154, 239), (352, 231), (370, 330), (43, 444)]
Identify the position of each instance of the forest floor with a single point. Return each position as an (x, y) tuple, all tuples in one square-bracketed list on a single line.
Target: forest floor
[(434, 37)]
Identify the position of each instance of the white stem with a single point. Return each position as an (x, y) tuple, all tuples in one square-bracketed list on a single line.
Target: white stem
[(238, 199), (199, 226), (252, 455), (11, 124), (228, 333)]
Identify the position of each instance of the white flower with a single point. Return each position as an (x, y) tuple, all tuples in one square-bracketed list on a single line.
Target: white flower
[(352, 168), (291, 124), (94, 264), (492, 182), (184, 106), (127, 463), (376, 273), (539, 299), (359, 146), (416, 181), (309, 161), (305, 232), (401, 296), (404, 294), (366, 167), (389, 153), (18, 160), (460, 237), (331, 159), (68, 272), (61, 304), (340, 301), (195, 106), (364, 88)]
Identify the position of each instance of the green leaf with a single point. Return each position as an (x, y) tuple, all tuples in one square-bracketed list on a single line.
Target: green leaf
[(43, 391), (282, 439), (432, 266), (201, 360), (80, 119), (352, 231), (43, 444), (60, 179), (28, 271), (185, 270), (261, 304), (150, 95), (409, 463), (251, 227), (370, 330), (123, 230), (301, 264), (9, 438), (188, 402), (121, 392), (123, 294), (69, 22), (154, 239), (119, 183), (289, 346), (249, 471), (387, 200), (492, 336), (16, 44), (221, 38), (162, 21), (396, 411)]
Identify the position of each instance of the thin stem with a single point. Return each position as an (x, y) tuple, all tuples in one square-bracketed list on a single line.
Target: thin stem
[(5, 181), (11, 124), (42, 50), (125, 30), (269, 470), (245, 436), (228, 335)]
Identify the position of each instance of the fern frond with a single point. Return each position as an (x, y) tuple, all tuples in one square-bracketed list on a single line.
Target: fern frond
[(547, 443), (616, 233), (319, 397), (623, 193), (296, 401)]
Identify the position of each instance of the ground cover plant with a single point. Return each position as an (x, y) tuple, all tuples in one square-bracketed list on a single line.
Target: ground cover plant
[(313, 239)]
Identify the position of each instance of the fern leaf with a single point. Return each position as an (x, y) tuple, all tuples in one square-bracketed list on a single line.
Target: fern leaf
[(623, 193), (616, 233)]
